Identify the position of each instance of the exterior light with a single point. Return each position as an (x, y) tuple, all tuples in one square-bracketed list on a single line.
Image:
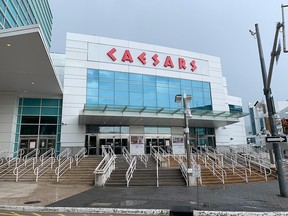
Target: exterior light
[(8, 45)]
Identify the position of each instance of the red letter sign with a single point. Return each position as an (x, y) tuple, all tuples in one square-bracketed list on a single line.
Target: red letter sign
[(142, 58), (168, 62), (127, 56), (193, 64), (155, 58), (110, 54), (182, 63)]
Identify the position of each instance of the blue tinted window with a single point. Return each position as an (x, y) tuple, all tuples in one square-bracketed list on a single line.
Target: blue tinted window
[(149, 88), (106, 101), (197, 94), (92, 73), (150, 103), (2, 5), (106, 85), (174, 92), (92, 83), (136, 87), (92, 100), (1, 17), (92, 92), (206, 86), (121, 101), (149, 79), (186, 83), (31, 102), (149, 96), (174, 82), (10, 18), (136, 77), (206, 94), (163, 97), (162, 90), (119, 75), (49, 111), (50, 102), (121, 87), (134, 102), (106, 93), (121, 94), (162, 80), (136, 95), (106, 74), (197, 84), (162, 103)]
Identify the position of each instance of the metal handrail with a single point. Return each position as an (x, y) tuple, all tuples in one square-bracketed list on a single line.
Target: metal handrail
[(158, 157), (29, 162), (47, 160), (80, 155), (64, 163), (183, 169), (217, 170), (143, 158), (105, 168), (63, 167), (130, 170), (127, 155), (12, 161)]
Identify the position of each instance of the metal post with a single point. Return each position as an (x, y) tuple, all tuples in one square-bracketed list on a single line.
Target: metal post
[(187, 143), (271, 108)]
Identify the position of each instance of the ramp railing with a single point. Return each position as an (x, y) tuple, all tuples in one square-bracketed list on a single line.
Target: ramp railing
[(12, 160), (47, 160), (29, 162), (80, 155), (104, 169), (64, 163), (130, 170)]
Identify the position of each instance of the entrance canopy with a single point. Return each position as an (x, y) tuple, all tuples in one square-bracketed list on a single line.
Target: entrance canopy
[(124, 115), (26, 67)]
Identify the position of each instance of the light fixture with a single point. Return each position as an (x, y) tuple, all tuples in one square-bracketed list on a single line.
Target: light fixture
[(33, 83), (8, 45)]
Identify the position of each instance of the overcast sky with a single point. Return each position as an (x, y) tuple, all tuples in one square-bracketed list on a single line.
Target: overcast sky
[(219, 28)]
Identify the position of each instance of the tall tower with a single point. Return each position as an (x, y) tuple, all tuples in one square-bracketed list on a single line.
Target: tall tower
[(15, 13)]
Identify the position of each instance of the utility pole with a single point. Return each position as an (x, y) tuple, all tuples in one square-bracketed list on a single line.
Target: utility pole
[(270, 104)]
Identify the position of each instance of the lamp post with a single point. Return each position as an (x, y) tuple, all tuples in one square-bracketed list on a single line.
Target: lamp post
[(187, 114)]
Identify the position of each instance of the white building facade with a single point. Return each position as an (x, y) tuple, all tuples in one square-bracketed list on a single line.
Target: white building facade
[(121, 93)]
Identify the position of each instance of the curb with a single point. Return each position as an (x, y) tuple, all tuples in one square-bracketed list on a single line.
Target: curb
[(230, 213), (88, 210)]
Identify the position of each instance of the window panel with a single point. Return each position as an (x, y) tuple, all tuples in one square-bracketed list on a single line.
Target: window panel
[(162, 97), (121, 101), (150, 130), (147, 79), (150, 103), (134, 102), (92, 92), (29, 130), (136, 88), (197, 84), (92, 83), (31, 102), (135, 77), (92, 73), (106, 100), (50, 102), (206, 94), (105, 93), (149, 88), (136, 96), (31, 111), (49, 111), (48, 129), (121, 87), (121, 94), (92, 100), (30, 120), (106, 85), (149, 96), (106, 74), (197, 94), (160, 79), (163, 103), (162, 90), (48, 120), (119, 75), (164, 130), (186, 83)]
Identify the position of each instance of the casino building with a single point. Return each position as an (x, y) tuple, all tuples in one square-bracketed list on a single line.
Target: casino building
[(105, 91)]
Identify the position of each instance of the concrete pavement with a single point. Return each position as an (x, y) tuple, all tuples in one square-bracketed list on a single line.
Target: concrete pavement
[(251, 197)]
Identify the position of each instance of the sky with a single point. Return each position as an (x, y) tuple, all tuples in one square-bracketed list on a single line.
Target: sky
[(219, 28)]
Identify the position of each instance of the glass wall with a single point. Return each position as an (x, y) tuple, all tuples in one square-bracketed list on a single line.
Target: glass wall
[(38, 124), (14, 13), (119, 88)]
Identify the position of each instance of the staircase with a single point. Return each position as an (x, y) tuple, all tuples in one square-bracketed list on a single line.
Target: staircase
[(83, 173), (144, 176)]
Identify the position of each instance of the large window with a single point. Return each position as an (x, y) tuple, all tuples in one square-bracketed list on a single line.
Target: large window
[(39, 118), (118, 88)]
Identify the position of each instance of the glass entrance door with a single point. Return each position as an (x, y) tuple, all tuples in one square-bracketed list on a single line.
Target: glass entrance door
[(164, 143), (28, 144), (45, 143), (116, 144), (91, 144)]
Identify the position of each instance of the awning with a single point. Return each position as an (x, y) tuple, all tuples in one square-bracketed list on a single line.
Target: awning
[(26, 67)]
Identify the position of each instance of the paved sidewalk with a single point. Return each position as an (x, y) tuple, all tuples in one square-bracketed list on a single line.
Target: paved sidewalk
[(257, 197)]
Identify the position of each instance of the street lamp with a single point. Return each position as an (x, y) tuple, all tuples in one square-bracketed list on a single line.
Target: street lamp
[(187, 114)]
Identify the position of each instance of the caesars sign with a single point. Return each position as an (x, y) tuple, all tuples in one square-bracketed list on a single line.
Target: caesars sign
[(147, 58)]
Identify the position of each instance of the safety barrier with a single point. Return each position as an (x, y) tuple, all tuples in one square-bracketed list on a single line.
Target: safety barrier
[(80, 155), (104, 169), (64, 163), (11, 161), (29, 162), (47, 160), (130, 170)]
